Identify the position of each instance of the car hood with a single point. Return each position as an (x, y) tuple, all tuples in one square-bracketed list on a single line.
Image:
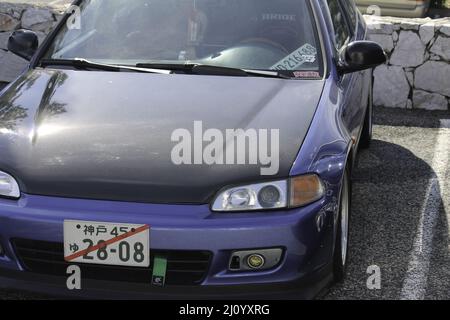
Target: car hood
[(108, 135)]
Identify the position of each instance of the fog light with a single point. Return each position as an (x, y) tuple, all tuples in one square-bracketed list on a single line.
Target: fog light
[(255, 261)]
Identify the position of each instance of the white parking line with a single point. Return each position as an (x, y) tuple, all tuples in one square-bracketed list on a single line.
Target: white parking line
[(415, 283)]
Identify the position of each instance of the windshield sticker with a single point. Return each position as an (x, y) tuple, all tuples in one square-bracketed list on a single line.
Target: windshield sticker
[(304, 54), (306, 74)]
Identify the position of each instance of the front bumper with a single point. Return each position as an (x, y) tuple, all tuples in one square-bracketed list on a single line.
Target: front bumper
[(302, 289), (305, 263)]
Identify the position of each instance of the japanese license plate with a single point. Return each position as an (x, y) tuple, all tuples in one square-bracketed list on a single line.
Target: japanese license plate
[(105, 243)]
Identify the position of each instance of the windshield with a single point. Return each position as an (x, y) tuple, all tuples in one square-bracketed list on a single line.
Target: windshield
[(246, 34)]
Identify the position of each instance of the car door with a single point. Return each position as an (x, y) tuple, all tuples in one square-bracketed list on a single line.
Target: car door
[(347, 29)]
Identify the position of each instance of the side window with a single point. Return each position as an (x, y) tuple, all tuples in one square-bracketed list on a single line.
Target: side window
[(350, 7), (341, 32)]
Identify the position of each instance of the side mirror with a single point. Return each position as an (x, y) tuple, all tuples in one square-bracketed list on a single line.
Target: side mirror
[(23, 43), (361, 55)]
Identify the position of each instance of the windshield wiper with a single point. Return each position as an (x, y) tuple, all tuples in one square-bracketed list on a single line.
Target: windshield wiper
[(163, 68), (204, 69), (86, 64)]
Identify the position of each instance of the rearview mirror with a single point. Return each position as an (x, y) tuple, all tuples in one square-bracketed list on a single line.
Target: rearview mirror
[(23, 43), (361, 55)]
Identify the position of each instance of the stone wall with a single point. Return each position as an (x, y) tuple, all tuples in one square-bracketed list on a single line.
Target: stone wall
[(13, 16), (417, 74)]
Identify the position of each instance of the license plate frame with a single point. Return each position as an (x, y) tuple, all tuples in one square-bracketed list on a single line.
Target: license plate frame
[(107, 243)]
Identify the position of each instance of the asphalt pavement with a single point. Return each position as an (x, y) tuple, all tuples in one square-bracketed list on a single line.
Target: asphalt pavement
[(400, 211)]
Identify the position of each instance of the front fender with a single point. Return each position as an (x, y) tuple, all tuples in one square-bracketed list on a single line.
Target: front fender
[(327, 150)]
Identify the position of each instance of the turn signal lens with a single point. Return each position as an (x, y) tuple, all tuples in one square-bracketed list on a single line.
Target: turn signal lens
[(305, 190)]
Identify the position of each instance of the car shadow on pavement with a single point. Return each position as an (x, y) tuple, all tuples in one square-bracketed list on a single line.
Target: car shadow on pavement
[(391, 193)]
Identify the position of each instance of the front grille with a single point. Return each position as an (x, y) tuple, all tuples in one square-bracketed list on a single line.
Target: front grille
[(183, 267)]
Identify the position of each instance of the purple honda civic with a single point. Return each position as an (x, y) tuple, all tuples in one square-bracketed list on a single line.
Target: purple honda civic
[(184, 148)]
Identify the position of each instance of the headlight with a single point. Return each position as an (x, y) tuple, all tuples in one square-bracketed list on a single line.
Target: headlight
[(8, 186), (293, 192)]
